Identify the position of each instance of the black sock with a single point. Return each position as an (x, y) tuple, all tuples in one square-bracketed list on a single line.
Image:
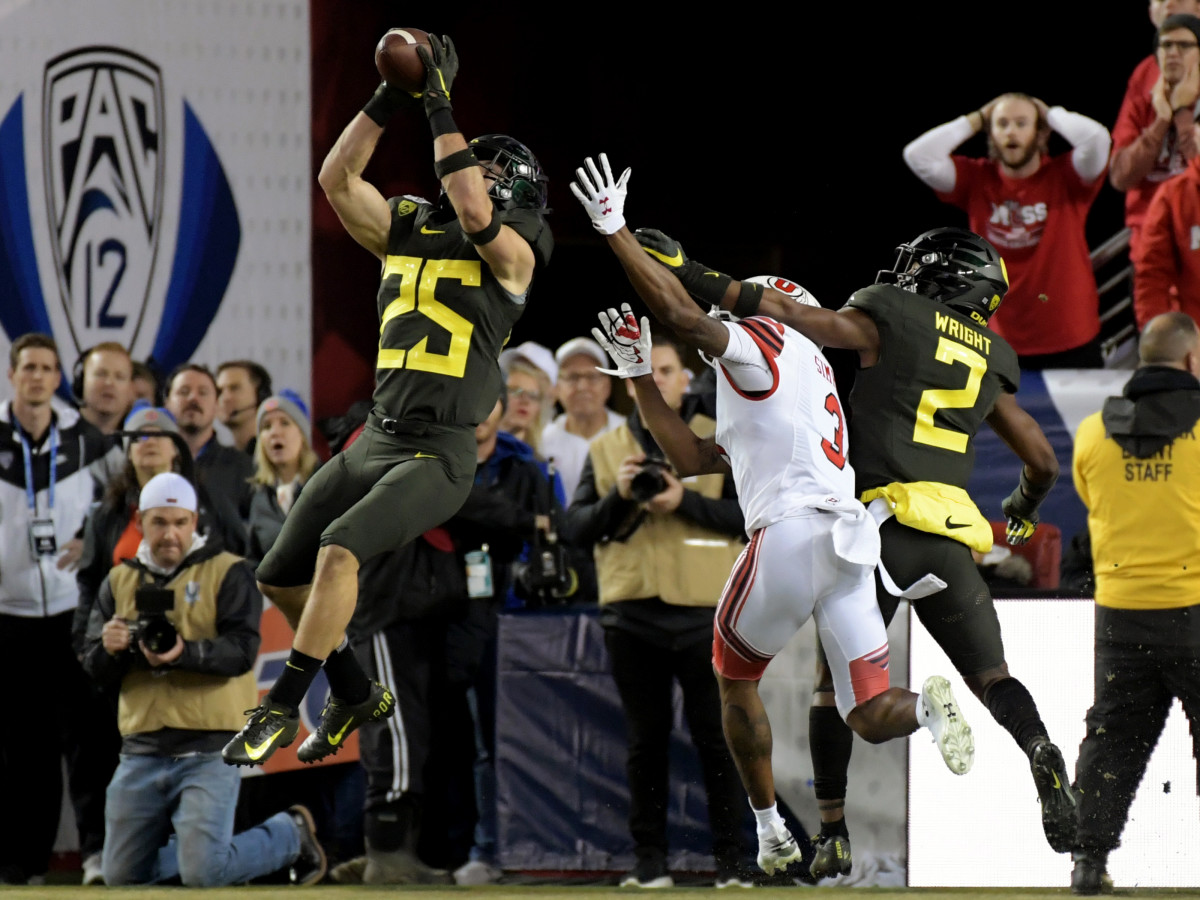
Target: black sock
[(1011, 704), (830, 742), (298, 674), (347, 680), (835, 829)]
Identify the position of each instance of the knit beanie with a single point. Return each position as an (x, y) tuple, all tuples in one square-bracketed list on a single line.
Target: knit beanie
[(289, 402)]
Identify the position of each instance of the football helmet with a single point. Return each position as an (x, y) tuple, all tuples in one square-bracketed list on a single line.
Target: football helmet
[(775, 283), (953, 266), (519, 181)]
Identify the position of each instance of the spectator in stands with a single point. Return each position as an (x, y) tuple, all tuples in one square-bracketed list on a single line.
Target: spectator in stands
[(242, 386), (530, 372), (583, 393), (104, 385), (1137, 470), (1166, 273), (45, 492), (184, 685), (283, 461), (1033, 207), (144, 385), (663, 552), (1153, 138), (1146, 73), (223, 472)]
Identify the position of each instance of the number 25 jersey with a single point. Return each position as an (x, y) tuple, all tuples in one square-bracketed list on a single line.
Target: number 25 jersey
[(443, 316), (916, 411)]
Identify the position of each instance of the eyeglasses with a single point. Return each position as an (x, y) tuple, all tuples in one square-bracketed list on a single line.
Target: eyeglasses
[(577, 378), (518, 392), (1181, 46)]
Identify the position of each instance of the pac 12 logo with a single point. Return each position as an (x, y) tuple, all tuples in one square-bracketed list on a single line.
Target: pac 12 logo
[(103, 142)]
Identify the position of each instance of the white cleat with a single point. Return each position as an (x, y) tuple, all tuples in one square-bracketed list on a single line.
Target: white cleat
[(945, 720), (776, 848)]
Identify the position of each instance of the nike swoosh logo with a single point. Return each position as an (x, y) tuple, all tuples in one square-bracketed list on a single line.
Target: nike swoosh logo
[(288, 663), (420, 455), (950, 524), (425, 230), (1057, 783), (713, 274), (673, 261), (261, 749), (335, 739)]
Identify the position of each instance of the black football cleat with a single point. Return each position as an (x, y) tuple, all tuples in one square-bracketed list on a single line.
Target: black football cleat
[(1059, 804), (269, 728), (339, 720)]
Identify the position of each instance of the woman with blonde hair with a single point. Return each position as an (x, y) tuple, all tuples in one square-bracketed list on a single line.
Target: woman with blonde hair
[(529, 373), (284, 460)]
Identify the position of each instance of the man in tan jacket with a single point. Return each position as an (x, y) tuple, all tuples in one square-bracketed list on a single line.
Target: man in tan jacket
[(663, 550), (178, 627)]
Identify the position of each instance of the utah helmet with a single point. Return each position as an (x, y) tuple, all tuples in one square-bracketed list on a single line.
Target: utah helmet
[(775, 283), (953, 266), (518, 180)]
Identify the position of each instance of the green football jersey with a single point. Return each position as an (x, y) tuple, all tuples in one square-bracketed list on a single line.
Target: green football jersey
[(917, 409), (443, 316)]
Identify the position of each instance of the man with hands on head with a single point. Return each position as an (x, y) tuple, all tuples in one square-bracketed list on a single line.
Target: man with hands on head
[(912, 457), (455, 278), (781, 433), (1033, 207)]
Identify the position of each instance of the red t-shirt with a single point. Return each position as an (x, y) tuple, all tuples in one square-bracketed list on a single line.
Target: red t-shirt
[(1038, 225)]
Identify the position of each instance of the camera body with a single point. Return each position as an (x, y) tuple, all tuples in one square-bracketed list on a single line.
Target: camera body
[(152, 627), (546, 578), (650, 481)]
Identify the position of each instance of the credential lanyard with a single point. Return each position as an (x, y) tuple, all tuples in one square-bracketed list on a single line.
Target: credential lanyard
[(30, 493)]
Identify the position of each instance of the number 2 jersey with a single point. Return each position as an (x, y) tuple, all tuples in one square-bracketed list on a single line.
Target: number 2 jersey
[(780, 424), (937, 378), (443, 316)]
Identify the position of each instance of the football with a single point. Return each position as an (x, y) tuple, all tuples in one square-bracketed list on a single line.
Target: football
[(397, 60)]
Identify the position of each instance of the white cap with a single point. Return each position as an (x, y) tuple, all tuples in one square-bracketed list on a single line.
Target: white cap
[(537, 355), (168, 489), (581, 345)]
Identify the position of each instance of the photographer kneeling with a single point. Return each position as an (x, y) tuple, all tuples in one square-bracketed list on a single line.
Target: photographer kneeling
[(177, 626), (663, 551)]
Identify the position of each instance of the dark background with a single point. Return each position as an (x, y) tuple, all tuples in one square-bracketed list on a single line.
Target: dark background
[(766, 141)]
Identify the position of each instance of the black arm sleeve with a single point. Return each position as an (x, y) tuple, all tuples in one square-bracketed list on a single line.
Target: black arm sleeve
[(104, 667), (591, 518), (239, 610), (723, 514)]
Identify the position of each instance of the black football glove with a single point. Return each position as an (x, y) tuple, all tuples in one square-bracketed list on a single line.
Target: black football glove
[(386, 102), (704, 284), (441, 66), (1020, 508)]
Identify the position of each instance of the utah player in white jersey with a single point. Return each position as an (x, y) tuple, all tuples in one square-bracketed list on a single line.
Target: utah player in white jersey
[(813, 547)]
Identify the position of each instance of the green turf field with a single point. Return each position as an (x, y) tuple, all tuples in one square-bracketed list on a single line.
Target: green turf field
[(549, 892)]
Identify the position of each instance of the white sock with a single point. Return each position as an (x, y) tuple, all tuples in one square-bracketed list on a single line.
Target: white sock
[(922, 713), (765, 818)]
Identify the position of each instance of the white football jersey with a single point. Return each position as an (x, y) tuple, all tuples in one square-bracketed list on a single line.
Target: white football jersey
[(780, 424)]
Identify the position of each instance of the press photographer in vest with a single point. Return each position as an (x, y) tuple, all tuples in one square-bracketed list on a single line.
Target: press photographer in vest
[(177, 626)]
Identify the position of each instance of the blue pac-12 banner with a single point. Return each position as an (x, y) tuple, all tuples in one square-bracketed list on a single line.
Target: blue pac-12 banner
[(155, 180)]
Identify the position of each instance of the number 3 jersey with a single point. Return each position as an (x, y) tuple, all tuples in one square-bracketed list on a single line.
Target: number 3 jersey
[(917, 409), (780, 424), (443, 316)]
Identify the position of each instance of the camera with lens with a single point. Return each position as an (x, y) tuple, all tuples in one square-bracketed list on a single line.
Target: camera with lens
[(650, 481), (152, 627), (546, 578)]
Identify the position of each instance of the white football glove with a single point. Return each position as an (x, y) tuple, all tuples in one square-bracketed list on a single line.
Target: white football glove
[(601, 196), (627, 342)]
